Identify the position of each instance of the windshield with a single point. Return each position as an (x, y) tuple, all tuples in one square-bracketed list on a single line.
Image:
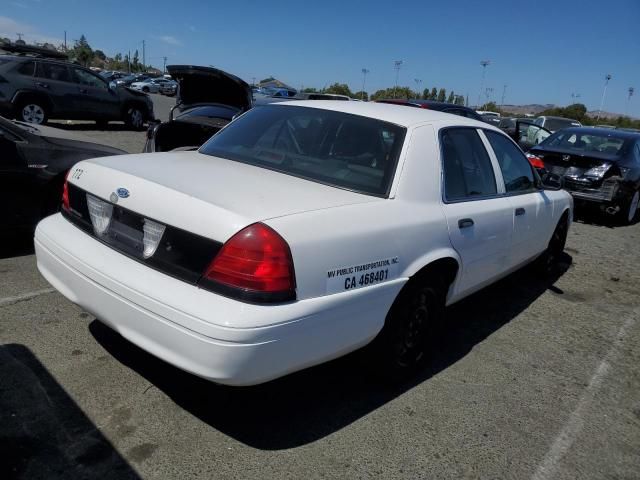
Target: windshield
[(585, 142), (334, 148), (555, 124)]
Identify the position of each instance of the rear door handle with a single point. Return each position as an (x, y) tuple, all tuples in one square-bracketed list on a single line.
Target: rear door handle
[(465, 223), (520, 211), (43, 85)]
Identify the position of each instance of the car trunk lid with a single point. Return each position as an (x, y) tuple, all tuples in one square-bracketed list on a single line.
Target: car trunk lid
[(568, 163), (201, 85), (208, 196)]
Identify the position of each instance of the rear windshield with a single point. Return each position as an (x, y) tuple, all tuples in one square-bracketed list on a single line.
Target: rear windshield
[(334, 148), (585, 142)]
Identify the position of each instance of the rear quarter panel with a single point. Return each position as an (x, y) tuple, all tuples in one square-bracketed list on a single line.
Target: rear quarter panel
[(410, 227)]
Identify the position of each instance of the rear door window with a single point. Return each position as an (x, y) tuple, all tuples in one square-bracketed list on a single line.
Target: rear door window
[(516, 169), (27, 68), (468, 172), (53, 71)]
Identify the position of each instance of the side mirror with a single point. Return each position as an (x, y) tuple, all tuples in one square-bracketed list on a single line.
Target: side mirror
[(552, 181)]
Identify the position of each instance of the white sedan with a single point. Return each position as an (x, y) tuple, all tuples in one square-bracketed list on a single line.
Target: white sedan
[(150, 85), (300, 232)]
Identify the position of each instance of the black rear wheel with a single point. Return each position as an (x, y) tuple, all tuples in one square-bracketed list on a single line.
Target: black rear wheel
[(547, 263), (412, 329)]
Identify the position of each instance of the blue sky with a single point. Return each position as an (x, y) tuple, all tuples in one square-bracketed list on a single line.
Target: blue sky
[(542, 50)]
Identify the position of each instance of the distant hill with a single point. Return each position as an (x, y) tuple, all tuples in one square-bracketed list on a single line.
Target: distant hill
[(532, 109)]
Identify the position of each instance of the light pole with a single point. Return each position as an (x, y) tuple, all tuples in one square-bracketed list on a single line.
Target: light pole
[(604, 92), (396, 65), (575, 96), (626, 110), (504, 92), (418, 82), (484, 64), (488, 93), (364, 78)]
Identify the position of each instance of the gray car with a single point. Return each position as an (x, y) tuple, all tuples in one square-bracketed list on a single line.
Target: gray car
[(34, 90)]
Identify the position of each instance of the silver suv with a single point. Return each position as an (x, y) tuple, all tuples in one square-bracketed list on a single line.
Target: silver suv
[(37, 89)]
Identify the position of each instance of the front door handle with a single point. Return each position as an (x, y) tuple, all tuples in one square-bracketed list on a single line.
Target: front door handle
[(43, 85), (520, 211), (465, 223)]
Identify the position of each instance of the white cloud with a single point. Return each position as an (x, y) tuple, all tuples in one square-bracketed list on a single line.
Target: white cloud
[(10, 28), (169, 40)]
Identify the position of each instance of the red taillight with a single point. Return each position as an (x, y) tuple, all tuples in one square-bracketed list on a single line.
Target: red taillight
[(535, 162), (256, 263), (65, 193)]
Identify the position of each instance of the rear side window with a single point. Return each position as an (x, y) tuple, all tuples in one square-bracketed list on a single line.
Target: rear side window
[(27, 68), (468, 172), (54, 71), (516, 169), (334, 148)]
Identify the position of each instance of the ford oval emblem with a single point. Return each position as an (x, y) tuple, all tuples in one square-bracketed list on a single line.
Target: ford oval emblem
[(122, 192)]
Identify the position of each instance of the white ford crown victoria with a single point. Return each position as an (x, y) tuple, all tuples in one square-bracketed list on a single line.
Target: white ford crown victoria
[(298, 233)]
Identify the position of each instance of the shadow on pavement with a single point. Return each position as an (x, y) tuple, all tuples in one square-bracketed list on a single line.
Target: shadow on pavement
[(16, 245), (309, 405), (43, 433)]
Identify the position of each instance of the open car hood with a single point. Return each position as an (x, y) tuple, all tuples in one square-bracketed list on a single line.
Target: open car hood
[(198, 85)]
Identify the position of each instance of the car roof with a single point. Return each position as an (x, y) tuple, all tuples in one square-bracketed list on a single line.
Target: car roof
[(622, 134), (387, 112), (558, 118)]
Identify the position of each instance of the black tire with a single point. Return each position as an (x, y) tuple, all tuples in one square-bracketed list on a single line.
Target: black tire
[(630, 208), (33, 111), (412, 329), (134, 117), (547, 263), (145, 89)]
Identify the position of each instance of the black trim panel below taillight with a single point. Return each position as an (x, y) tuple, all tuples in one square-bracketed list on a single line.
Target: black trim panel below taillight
[(180, 254)]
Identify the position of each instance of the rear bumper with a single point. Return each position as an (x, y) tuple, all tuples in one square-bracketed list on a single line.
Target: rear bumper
[(214, 337), (606, 193)]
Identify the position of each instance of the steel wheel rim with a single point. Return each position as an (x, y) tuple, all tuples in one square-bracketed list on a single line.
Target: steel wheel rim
[(33, 113), (136, 118), (633, 208)]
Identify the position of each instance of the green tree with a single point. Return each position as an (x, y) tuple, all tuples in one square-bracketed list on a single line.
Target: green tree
[(452, 97), (442, 95), (361, 95), (310, 90), (459, 100), (425, 93), (82, 51), (339, 89), (434, 94), (100, 54), (490, 107)]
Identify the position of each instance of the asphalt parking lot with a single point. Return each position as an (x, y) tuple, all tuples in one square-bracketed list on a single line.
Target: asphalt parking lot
[(535, 378)]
